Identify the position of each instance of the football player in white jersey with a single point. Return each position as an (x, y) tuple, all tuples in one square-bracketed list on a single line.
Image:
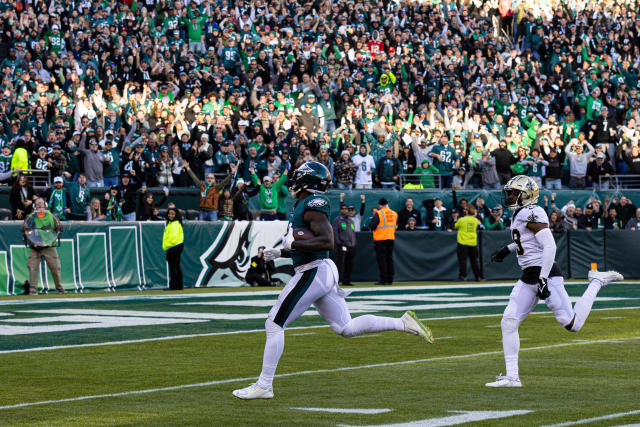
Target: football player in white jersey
[(541, 278)]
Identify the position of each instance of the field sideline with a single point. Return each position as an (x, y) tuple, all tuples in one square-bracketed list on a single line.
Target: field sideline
[(155, 358)]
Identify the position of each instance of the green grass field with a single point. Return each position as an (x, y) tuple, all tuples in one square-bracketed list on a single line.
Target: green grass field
[(158, 358)]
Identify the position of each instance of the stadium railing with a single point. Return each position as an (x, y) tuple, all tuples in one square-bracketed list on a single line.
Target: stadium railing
[(424, 181), (39, 179), (619, 182)]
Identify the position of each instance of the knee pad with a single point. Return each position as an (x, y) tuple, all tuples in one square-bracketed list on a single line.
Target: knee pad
[(346, 331), (272, 328), (509, 324)]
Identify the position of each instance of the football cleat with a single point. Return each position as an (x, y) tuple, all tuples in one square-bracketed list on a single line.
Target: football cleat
[(605, 277), (413, 325), (502, 381), (254, 391)]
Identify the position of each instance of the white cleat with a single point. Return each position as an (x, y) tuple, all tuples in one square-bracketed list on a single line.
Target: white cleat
[(413, 325), (254, 391), (502, 381), (605, 277)]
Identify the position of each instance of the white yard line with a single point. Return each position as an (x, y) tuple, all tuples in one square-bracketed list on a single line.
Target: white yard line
[(594, 419), (213, 334), (317, 371)]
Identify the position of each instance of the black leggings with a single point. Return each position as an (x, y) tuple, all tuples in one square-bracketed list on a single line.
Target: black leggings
[(470, 252), (175, 272)]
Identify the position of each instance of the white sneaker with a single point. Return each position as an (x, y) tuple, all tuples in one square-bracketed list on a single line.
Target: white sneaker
[(413, 325), (502, 381), (254, 391), (605, 277)]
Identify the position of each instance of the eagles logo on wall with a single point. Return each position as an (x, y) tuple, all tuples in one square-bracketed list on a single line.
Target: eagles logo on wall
[(228, 258)]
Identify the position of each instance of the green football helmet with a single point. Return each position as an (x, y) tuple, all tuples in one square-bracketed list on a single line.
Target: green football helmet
[(313, 177)]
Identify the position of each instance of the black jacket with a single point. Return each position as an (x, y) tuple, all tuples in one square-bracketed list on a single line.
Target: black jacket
[(128, 193), (504, 159)]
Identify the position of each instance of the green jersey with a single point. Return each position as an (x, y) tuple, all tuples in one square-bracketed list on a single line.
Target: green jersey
[(314, 202), (438, 215), (113, 169), (449, 157)]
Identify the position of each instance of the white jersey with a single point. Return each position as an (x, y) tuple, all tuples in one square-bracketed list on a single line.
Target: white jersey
[(529, 251), (366, 165)]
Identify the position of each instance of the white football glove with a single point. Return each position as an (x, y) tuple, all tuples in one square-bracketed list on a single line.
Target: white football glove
[(271, 254)]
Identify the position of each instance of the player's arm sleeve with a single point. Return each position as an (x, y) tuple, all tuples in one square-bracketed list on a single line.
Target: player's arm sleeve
[(545, 238)]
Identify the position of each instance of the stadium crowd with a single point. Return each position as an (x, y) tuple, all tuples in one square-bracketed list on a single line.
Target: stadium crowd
[(130, 95)]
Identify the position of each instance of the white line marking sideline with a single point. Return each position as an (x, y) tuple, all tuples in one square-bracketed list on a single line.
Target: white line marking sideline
[(590, 420), (317, 371), (213, 334)]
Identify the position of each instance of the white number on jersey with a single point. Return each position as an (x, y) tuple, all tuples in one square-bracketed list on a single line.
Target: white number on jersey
[(528, 249)]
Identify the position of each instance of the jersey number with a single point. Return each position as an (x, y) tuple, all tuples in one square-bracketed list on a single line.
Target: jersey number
[(515, 235)]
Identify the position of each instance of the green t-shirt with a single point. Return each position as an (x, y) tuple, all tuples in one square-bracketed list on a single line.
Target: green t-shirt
[(313, 202)]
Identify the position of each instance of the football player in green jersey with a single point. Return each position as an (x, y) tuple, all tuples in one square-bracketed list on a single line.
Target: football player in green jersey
[(315, 281)]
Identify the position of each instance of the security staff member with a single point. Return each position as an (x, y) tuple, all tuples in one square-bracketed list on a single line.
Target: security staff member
[(260, 272), (384, 224), (344, 235), (467, 226), (40, 230)]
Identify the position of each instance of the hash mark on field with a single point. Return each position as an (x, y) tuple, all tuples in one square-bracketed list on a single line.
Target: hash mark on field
[(612, 317), (317, 371), (301, 334)]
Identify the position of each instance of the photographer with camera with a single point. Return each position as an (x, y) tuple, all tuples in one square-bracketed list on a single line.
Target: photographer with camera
[(40, 231)]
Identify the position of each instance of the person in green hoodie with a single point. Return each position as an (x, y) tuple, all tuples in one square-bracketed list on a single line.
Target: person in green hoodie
[(427, 168), (269, 194)]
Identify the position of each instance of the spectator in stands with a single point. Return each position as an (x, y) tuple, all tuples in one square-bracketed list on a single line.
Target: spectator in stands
[(427, 169), (147, 206), (80, 196), (128, 189), (632, 158), (588, 220), (634, 223), (59, 201), (21, 198), (408, 212), (356, 217), (283, 193), (209, 192), (94, 162), (553, 170), (445, 160), (626, 209), (569, 217), (173, 244), (534, 166), (467, 226), (437, 215), (269, 194), (578, 161), (241, 200), (365, 166), (344, 232), (94, 211), (495, 221), (387, 170), (487, 167), (611, 219), (599, 171), (504, 160), (112, 205), (344, 172)]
